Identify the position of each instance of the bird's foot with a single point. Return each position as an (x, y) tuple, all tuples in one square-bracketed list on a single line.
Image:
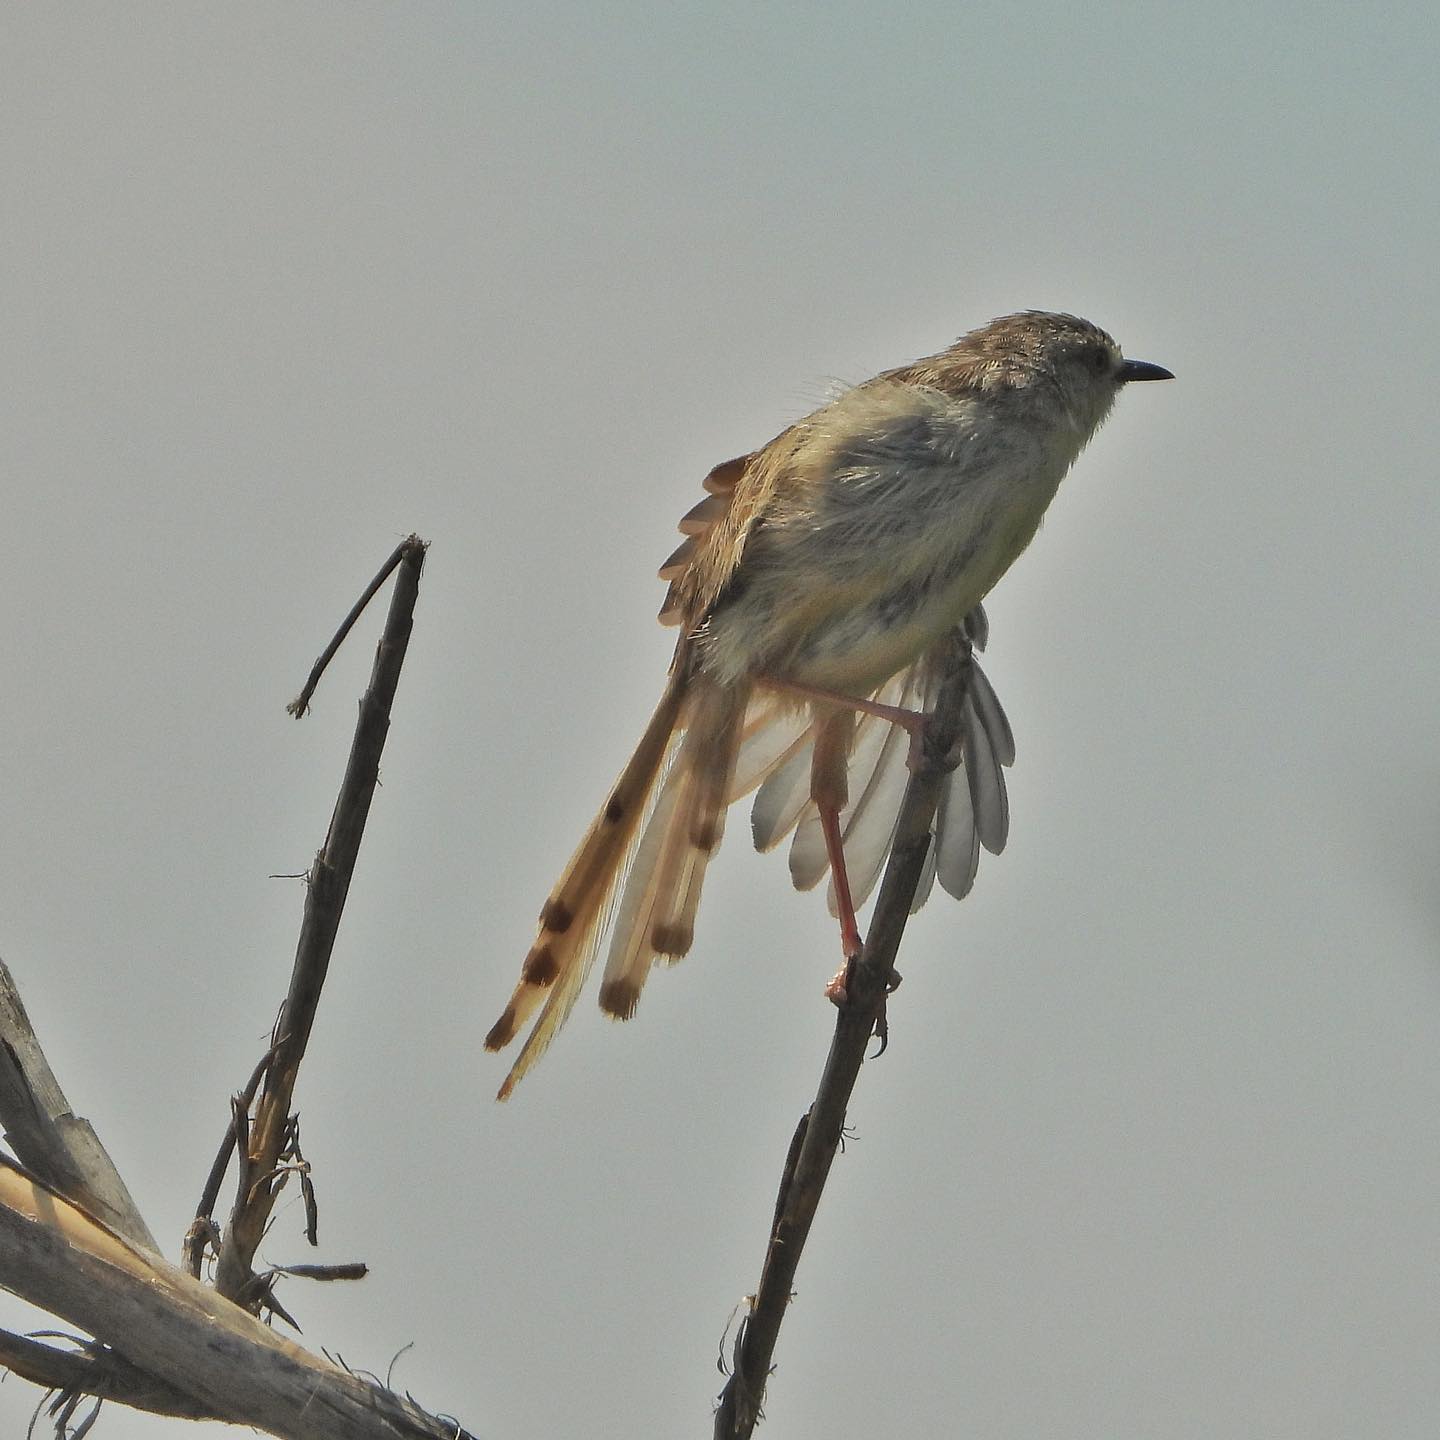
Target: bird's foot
[(838, 993)]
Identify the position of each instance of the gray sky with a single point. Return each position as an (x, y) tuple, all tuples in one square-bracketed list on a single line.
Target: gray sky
[(1155, 1150)]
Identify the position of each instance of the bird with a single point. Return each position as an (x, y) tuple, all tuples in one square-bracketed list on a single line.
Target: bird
[(816, 589)]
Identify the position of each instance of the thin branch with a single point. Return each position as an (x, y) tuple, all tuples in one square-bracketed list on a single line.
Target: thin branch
[(47, 1135), (351, 1270), (329, 884), (203, 1229), (301, 703), (804, 1178)]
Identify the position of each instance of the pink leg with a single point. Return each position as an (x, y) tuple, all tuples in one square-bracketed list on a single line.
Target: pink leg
[(913, 722), (838, 990), (850, 940)]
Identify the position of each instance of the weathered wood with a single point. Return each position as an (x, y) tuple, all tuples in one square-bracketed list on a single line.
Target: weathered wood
[(160, 1319), (46, 1134)]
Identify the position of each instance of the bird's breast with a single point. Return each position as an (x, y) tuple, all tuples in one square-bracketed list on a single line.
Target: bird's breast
[(882, 545)]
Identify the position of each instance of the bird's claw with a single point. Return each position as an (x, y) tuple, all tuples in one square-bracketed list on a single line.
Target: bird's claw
[(882, 1019), (838, 993)]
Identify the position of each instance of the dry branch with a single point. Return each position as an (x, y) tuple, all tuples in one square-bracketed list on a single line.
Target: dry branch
[(818, 1136), (72, 1242), (165, 1323), (46, 1133), (270, 1134), (412, 548)]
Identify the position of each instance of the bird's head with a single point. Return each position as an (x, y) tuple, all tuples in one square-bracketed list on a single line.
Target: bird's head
[(1043, 351)]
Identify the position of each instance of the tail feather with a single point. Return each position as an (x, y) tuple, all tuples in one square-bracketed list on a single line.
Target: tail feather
[(714, 790), (870, 825), (782, 798), (786, 800), (662, 894), (973, 811), (772, 733), (957, 843), (630, 950), (574, 916), (878, 777), (926, 882), (722, 742)]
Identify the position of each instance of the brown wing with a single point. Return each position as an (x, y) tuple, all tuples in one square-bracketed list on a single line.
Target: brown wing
[(716, 529), (698, 525)]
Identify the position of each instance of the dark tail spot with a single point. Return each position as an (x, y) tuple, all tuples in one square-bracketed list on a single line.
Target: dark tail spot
[(670, 939), (502, 1032), (619, 998), (556, 916), (540, 967)]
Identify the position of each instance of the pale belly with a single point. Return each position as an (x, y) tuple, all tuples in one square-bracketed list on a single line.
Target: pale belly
[(847, 592), (852, 626), (856, 651)]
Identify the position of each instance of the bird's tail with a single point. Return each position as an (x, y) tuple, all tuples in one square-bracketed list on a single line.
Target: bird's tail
[(574, 916), (657, 910)]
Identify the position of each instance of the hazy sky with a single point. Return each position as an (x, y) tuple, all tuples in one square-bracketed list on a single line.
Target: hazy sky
[(1155, 1150)]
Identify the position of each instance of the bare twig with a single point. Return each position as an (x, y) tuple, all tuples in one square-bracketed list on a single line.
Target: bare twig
[(203, 1229), (47, 1136), (351, 1270), (301, 703), (329, 883), (805, 1174)]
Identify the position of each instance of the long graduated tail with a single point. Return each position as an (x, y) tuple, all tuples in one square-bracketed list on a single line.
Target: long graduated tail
[(662, 894), (574, 916)]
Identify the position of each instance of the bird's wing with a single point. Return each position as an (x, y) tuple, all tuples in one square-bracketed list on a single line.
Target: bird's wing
[(782, 485), (699, 525), (716, 530)]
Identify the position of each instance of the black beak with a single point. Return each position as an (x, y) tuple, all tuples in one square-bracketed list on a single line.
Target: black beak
[(1143, 370)]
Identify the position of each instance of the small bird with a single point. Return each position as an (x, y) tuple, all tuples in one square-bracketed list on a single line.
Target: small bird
[(816, 590)]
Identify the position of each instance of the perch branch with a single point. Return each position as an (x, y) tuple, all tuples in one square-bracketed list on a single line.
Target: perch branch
[(818, 1139)]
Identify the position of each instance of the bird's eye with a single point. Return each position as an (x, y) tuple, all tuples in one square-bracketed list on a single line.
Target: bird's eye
[(1099, 361)]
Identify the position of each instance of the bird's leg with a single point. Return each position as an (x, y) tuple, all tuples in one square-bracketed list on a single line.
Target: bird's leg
[(913, 722), (838, 990), (850, 941), (829, 791)]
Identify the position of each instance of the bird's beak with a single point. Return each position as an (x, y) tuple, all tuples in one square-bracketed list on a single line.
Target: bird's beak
[(1143, 370)]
